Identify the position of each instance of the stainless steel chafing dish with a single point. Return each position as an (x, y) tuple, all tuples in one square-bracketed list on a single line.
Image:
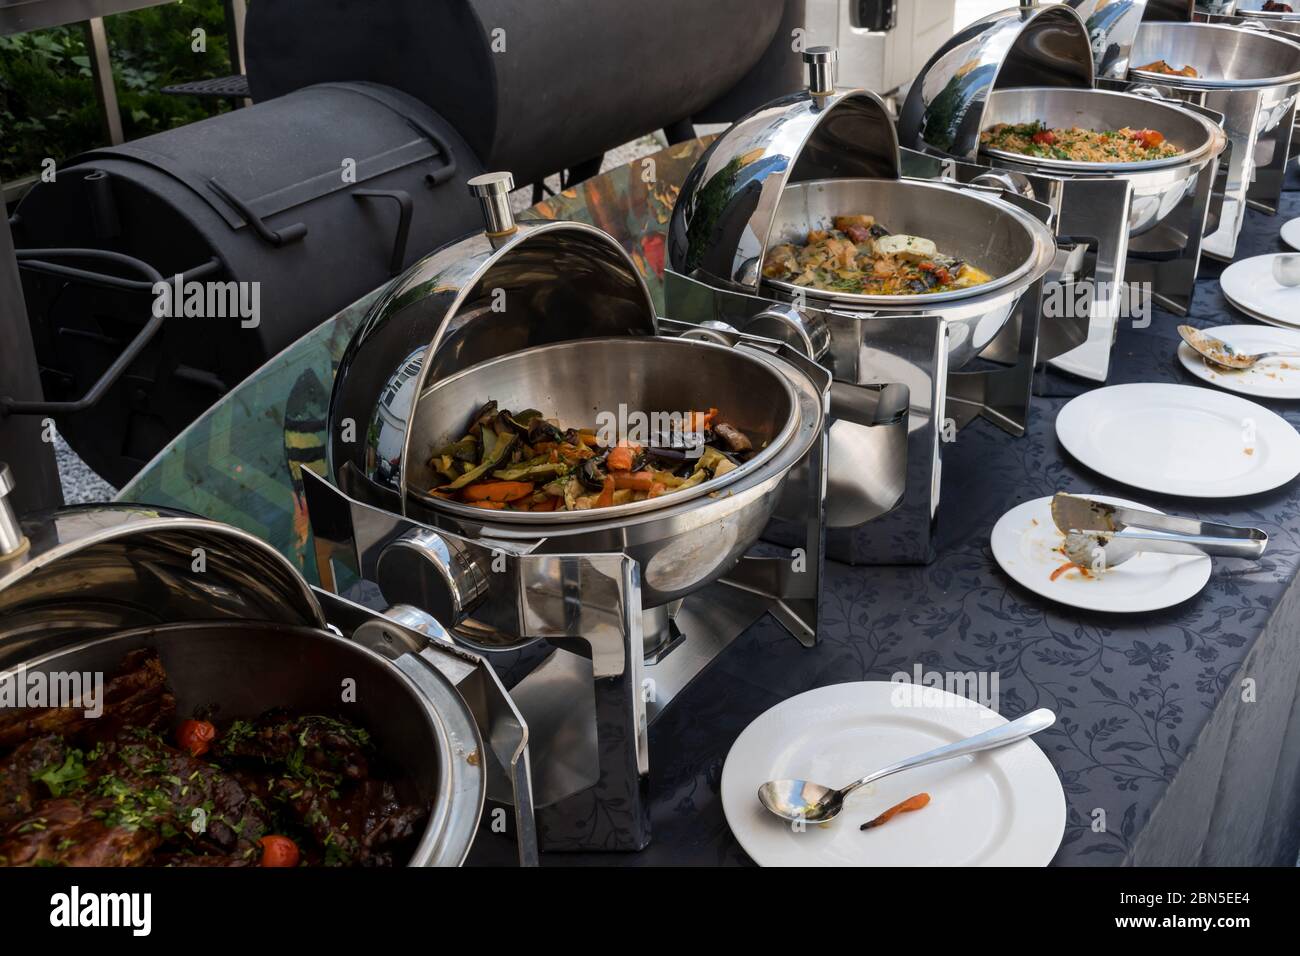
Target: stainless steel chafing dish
[(238, 628), (1141, 222), (1249, 75), (1238, 12), (554, 316), (795, 164)]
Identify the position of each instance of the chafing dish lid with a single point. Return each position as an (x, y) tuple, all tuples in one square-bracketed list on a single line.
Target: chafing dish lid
[(725, 211), (1033, 46), (515, 286), (1112, 27), (95, 569)]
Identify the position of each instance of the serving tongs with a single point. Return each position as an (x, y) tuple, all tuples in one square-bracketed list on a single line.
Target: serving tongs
[(1104, 536)]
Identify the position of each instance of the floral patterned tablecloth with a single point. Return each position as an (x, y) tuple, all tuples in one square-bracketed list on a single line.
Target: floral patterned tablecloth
[(1180, 729)]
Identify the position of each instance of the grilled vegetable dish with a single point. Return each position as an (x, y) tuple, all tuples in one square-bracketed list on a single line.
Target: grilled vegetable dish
[(1160, 66), (861, 257), (508, 461), (1080, 145), (134, 788)]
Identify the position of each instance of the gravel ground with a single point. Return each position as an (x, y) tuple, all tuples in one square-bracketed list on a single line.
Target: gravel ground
[(81, 484)]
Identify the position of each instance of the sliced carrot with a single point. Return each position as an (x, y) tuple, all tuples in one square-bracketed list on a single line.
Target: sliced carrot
[(575, 453), (547, 505), (606, 498), (699, 421), (498, 491), (637, 481), (1063, 568), (657, 488), (911, 803), (622, 457), (492, 505)]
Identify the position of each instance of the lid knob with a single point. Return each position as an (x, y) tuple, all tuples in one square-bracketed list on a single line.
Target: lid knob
[(493, 192), (12, 539), (821, 69)]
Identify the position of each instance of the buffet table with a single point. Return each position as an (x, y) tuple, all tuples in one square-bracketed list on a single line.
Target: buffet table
[(1178, 738)]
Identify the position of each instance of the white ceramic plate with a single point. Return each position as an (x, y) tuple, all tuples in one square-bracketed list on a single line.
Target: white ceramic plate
[(1025, 543), (1003, 807), (1180, 440), (1274, 378), (1249, 285), (1291, 233)]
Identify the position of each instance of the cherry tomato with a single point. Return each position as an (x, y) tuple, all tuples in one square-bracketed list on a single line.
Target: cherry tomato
[(196, 736), (1149, 138), (278, 851), (1044, 137)]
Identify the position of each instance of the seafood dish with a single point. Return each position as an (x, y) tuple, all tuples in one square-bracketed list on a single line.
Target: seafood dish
[(861, 257)]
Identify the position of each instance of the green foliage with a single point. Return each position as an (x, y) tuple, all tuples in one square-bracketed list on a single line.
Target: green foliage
[(47, 99)]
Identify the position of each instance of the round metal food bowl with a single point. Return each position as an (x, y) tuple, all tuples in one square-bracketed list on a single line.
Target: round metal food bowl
[(1004, 241), (1226, 57), (240, 670), (682, 541), (239, 631), (1158, 184), (1253, 10)]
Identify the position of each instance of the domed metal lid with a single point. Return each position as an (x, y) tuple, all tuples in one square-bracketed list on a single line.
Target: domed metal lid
[(1025, 46), (90, 570), (515, 286), (724, 213), (1112, 27)]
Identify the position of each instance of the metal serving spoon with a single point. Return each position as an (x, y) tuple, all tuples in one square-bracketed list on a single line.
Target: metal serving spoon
[(808, 802), (1218, 352)]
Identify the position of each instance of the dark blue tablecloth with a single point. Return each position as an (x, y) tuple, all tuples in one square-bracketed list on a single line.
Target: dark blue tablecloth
[(1154, 725)]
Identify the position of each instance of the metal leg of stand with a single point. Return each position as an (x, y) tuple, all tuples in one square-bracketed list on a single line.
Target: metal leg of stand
[(589, 606), (914, 348), (1003, 396), (1240, 109), (1098, 209), (1272, 153), (1172, 278)]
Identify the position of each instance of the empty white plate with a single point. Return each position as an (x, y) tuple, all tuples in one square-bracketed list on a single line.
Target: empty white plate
[(1291, 233), (1180, 440), (1003, 807), (1025, 543), (1274, 378), (1249, 285)]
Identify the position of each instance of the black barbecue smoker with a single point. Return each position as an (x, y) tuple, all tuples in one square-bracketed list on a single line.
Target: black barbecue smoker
[(159, 273)]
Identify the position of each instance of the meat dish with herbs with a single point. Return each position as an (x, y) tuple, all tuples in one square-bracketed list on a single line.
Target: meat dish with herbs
[(136, 787)]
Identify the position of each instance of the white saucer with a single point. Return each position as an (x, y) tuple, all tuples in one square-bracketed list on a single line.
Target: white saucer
[(1003, 807), (1274, 378), (1180, 440), (1025, 543), (1249, 285), (1291, 233)]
